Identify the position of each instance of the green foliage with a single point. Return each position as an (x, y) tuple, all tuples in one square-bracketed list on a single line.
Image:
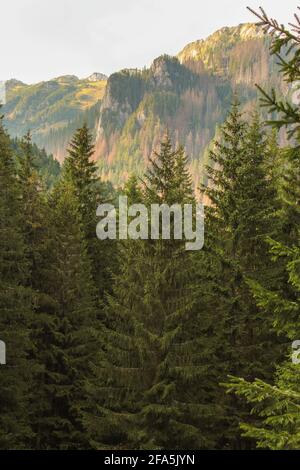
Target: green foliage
[(81, 170), (15, 308), (277, 405), (47, 167), (148, 375), (243, 201), (129, 344), (69, 339)]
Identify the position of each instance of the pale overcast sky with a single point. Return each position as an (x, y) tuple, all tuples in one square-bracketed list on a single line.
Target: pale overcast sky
[(42, 39)]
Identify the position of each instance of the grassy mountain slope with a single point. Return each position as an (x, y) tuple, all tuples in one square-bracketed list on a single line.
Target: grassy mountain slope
[(50, 109)]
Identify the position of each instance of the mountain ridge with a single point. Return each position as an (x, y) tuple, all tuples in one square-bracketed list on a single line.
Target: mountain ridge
[(129, 111)]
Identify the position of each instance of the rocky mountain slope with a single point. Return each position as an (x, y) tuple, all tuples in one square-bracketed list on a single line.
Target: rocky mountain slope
[(189, 94)]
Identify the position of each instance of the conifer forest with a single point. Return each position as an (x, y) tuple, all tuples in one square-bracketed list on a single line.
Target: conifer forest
[(138, 343)]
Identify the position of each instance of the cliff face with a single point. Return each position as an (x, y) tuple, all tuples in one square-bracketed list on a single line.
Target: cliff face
[(129, 112)]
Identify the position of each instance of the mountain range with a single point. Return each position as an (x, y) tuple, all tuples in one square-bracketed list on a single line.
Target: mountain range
[(188, 94)]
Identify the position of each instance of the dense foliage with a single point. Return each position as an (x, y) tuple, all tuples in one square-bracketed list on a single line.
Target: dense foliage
[(133, 343)]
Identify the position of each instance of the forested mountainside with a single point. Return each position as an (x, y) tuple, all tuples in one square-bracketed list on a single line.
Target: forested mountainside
[(118, 337), (53, 109), (240, 54), (46, 165), (189, 94)]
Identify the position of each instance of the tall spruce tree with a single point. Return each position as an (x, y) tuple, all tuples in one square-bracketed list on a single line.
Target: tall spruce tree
[(82, 170), (37, 234), (63, 329), (34, 210), (15, 308), (240, 216), (148, 374), (71, 337)]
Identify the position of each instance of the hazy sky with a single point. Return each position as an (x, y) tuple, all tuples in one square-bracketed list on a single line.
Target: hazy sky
[(42, 39)]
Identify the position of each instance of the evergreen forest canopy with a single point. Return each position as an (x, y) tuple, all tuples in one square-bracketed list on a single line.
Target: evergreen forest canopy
[(140, 344)]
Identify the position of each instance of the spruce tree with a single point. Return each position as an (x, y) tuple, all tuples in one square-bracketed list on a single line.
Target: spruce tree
[(148, 374), (63, 329), (81, 170), (37, 234), (277, 404), (33, 208), (72, 335), (15, 308), (241, 215)]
